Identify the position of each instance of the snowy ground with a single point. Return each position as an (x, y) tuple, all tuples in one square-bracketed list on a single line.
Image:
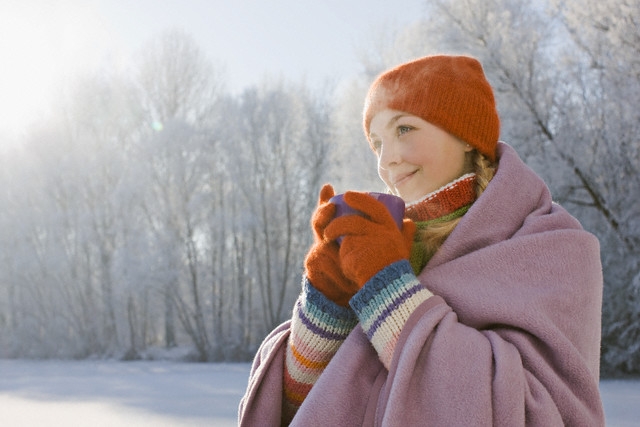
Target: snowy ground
[(111, 393), (145, 394)]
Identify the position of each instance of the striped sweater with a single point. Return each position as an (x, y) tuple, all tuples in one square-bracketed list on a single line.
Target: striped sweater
[(320, 326), (385, 303)]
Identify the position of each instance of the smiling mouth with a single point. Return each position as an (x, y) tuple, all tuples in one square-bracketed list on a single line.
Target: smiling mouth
[(403, 178)]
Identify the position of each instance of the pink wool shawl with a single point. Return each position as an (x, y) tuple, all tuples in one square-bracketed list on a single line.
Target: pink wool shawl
[(511, 338)]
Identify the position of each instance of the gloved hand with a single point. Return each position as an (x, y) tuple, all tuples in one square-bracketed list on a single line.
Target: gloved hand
[(322, 262), (370, 242)]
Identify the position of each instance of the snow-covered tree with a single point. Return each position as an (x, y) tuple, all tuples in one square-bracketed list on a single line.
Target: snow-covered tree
[(277, 149)]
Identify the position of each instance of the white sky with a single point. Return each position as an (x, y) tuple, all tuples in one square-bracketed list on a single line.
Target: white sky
[(46, 42)]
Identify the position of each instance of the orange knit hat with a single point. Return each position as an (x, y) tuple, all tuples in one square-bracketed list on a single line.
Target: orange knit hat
[(450, 92)]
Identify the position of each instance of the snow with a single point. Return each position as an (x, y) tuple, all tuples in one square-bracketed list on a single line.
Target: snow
[(621, 400), (111, 393), (168, 393)]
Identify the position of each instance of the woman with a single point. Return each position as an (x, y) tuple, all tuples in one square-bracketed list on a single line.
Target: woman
[(484, 309)]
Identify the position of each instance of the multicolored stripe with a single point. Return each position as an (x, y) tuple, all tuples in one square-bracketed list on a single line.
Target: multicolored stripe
[(318, 328), (385, 303)]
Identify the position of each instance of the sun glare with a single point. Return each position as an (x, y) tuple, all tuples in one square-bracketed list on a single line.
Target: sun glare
[(41, 44)]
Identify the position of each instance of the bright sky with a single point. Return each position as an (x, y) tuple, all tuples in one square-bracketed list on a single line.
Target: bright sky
[(44, 43)]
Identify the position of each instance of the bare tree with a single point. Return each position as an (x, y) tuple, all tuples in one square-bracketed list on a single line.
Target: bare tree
[(278, 163), (606, 89), (178, 91), (176, 80)]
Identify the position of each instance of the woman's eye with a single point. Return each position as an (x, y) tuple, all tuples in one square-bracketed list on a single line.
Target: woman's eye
[(376, 145), (403, 129)]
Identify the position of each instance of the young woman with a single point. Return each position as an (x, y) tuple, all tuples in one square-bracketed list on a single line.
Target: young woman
[(483, 310)]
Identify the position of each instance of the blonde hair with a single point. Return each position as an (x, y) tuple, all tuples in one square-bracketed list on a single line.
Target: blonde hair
[(434, 235)]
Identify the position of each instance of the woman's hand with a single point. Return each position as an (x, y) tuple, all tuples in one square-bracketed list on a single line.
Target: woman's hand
[(322, 263), (370, 241)]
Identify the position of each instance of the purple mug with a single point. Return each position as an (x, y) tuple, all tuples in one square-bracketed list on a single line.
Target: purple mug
[(394, 204)]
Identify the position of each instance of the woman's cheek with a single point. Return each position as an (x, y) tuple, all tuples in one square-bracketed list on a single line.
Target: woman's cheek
[(384, 176)]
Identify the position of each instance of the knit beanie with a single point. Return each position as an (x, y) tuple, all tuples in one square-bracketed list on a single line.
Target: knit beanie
[(450, 92)]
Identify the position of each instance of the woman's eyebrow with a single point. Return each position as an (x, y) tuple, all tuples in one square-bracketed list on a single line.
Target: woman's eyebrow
[(394, 119)]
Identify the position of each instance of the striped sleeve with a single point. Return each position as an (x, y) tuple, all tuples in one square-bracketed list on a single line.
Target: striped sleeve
[(385, 303), (318, 328)]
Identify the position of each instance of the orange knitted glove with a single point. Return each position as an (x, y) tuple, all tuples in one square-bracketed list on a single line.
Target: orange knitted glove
[(371, 241), (322, 263)]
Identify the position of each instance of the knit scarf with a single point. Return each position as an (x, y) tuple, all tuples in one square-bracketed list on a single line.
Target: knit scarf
[(448, 202)]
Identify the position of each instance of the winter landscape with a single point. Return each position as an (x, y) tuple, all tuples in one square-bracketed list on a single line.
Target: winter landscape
[(153, 200), (167, 393)]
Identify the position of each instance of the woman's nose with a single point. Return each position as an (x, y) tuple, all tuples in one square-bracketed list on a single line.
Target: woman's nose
[(389, 155)]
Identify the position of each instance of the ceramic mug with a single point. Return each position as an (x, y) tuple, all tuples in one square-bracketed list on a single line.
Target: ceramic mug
[(394, 204)]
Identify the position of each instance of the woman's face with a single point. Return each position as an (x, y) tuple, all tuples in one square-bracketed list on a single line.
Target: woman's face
[(414, 156)]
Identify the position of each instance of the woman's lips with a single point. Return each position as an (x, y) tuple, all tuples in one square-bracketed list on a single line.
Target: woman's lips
[(401, 179)]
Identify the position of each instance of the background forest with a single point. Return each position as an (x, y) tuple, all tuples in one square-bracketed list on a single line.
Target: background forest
[(155, 209)]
